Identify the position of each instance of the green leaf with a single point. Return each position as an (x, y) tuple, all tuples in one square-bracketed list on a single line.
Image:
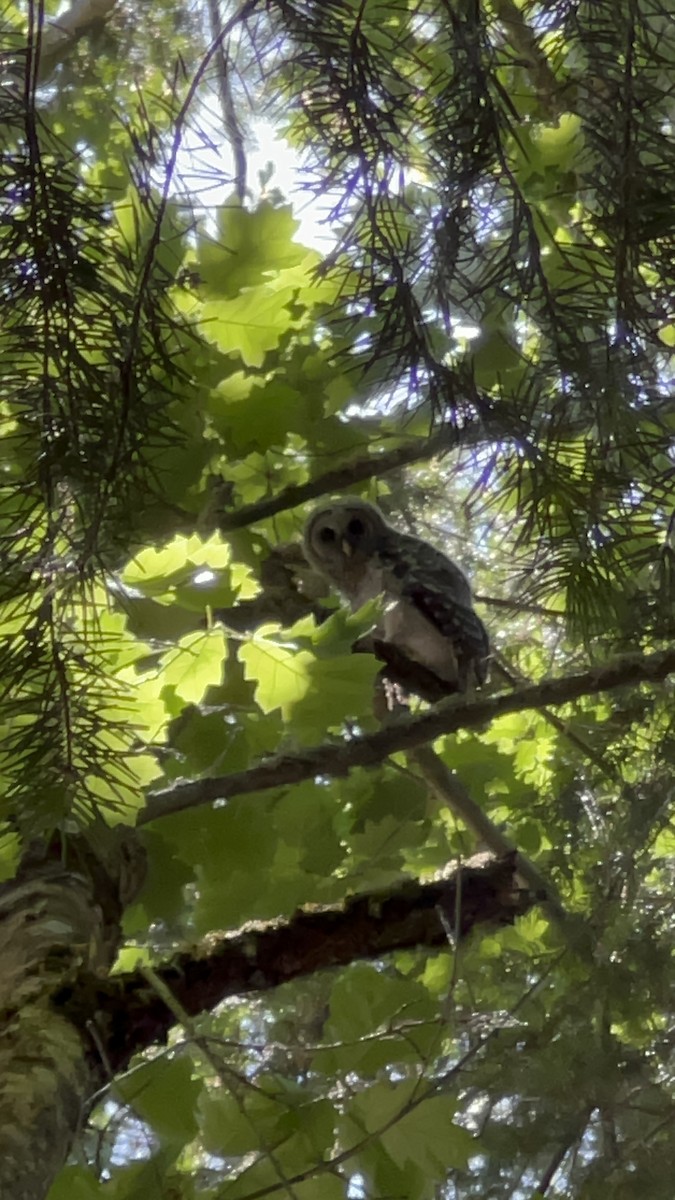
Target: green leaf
[(76, 1183), (382, 842), (561, 144), (154, 1179), (365, 1000), (282, 676), (496, 356), (231, 1125), (120, 789), (249, 415), (305, 817), (415, 1127), (195, 664), (162, 896), (438, 973), (336, 636), (232, 850), (266, 1177), (403, 797), (337, 688), (164, 1094), (322, 1187), (251, 325), (157, 572), (528, 837), (10, 851), (250, 246), (315, 1124), (427, 1137), (239, 835)]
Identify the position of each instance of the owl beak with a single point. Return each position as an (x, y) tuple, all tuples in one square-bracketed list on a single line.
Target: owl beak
[(347, 548)]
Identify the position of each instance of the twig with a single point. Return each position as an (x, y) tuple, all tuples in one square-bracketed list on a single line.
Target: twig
[(524, 41), (59, 34), (559, 1156), (562, 727), (519, 606), (219, 1067), (136, 325)]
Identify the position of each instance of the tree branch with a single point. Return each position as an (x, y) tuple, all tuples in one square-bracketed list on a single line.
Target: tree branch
[(339, 758), (60, 34), (561, 727), (450, 789), (528, 49), (233, 129), (355, 471), (519, 606), (261, 957)]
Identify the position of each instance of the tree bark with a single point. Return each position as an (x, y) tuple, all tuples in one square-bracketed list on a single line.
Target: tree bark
[(58, 917), (483, 891), (60, 933), (337, 759)]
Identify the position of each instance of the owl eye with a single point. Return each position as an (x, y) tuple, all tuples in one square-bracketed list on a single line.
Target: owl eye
[(356, 527), (326, 534)]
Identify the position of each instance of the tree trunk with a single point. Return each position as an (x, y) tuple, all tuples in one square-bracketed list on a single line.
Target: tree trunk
[(58, 920)]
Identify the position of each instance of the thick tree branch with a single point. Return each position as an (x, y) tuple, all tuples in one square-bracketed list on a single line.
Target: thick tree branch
[(59, 916), (484, 891), (339, 758)]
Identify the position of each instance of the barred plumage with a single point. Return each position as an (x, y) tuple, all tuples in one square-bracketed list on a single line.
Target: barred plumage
[(430, 616)]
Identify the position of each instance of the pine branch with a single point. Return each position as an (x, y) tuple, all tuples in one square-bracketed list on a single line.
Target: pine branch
[(339, 758), (519, 606)]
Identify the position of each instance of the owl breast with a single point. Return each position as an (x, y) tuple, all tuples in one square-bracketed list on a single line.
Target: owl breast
[(406, 628), (362, 585)]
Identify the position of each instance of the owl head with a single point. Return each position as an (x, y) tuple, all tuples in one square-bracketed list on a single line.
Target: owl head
[(343, 535)]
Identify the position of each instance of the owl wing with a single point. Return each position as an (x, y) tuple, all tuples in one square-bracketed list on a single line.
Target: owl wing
[(440, 592)]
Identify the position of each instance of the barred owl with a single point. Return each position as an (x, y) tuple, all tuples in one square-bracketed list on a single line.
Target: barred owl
[(429, 617)]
